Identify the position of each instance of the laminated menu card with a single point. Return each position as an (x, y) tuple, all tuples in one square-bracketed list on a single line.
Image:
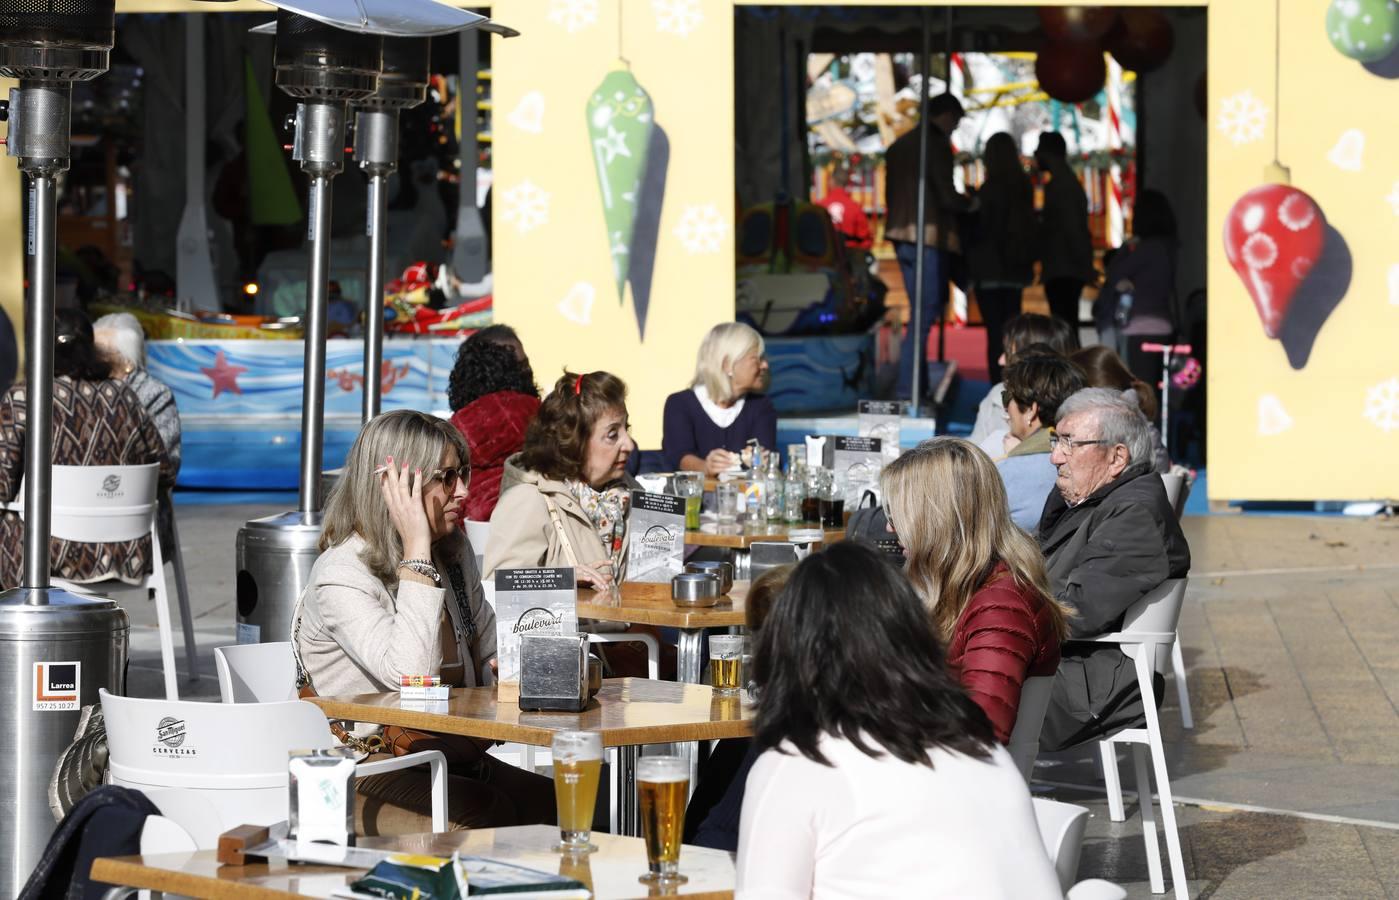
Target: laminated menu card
[(656, 547), (857, 462), (881, 419), (530, 601)]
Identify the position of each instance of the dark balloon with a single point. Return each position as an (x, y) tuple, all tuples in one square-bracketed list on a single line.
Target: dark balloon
[(1070, 72), (1076, 23), (1141, 40)]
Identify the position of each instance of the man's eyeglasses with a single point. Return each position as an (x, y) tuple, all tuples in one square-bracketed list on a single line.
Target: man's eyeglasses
[(1070, 445), (450, 477)]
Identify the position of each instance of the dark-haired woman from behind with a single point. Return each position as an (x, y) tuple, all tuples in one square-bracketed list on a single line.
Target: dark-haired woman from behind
[(493, 399), (878, 776), (97, 421)]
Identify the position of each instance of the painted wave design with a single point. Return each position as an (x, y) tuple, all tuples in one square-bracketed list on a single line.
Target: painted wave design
[(818, 373)]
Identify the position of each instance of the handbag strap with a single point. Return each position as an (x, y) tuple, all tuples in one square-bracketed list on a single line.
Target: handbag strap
[(566, 544)]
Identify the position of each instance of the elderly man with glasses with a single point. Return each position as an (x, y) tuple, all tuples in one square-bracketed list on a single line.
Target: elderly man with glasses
[(1109, 536)]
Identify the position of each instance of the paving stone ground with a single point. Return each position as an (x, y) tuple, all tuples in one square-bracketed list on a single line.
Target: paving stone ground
[(1288, 786)]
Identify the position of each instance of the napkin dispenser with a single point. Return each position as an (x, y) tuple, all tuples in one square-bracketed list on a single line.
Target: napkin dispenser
[(554, 672)]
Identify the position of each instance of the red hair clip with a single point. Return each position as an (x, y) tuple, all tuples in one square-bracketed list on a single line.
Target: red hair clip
[(578, 386)]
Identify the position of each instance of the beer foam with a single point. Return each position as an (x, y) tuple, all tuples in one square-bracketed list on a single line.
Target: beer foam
[(668, 773)]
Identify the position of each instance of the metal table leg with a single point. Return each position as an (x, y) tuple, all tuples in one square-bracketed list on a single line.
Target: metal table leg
[(688, 664), (625, 777)]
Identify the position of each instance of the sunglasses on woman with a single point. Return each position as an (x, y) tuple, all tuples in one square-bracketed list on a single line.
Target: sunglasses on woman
[(450, 477)]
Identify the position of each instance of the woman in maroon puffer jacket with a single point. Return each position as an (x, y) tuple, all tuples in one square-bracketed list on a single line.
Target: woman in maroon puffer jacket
[(981, 577), (493, 398)]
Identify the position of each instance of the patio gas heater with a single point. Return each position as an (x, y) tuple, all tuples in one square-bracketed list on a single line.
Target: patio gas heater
[(56, 649), (402, 85), (329, 53)]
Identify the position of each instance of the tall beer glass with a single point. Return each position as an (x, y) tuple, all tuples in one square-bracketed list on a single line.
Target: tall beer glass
[(725, 662), (577, 768), (663, 783)]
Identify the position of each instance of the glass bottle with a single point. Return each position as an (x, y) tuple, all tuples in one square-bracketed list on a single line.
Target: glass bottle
[(773, 489), (794, 489)]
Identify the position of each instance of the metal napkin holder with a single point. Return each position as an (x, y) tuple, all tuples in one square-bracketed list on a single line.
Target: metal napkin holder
[(555, 672)]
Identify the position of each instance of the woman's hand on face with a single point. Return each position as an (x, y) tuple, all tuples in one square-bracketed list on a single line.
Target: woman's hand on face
[(718, 460), (403, 496)]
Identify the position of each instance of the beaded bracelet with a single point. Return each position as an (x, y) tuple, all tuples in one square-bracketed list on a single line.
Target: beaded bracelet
[(423, 567)]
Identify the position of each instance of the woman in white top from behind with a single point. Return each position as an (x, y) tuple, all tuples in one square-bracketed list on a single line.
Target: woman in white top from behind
[(878, 776)]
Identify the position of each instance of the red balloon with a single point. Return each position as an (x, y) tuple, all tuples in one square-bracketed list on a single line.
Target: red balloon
[(1071, 72), (1141, 40), (1076, 23), (1273, 236)]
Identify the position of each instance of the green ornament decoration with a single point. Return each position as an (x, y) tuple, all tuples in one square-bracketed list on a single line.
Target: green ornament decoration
[(631, 154), (1363, 30)]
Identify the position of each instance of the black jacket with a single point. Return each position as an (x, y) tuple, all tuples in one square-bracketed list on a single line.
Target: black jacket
[(1103, 556)]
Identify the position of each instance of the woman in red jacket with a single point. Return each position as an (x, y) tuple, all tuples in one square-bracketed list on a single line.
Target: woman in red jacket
[(982, 578), (493, 399)]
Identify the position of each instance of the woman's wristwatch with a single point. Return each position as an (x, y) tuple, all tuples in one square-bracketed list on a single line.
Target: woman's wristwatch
[(423, 567)]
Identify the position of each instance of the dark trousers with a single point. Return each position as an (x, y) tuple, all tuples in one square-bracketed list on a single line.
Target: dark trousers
[(1063, 294), (998, 305), (914, 349)]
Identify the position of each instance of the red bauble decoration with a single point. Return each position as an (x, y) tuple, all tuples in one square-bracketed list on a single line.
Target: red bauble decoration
[(1076, 23), (1141, 40), (1071, 72), (1273, 236)]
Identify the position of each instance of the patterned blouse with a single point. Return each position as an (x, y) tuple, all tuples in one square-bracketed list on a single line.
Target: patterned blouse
[(94, 423)]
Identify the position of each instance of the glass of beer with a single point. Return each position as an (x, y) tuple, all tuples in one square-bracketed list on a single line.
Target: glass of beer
[(577, 768), (663, 783), (725, 662)]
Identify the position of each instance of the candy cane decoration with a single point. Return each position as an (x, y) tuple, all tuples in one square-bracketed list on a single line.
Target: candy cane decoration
[(956, 86), (1114, 187)]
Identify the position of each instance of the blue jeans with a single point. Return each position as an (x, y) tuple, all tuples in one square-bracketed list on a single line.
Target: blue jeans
[(934, 298)]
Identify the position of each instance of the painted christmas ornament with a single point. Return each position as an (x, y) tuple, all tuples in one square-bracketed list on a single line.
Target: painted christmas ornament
[(1071, 72), (1364, 30), (1076, 23), (1273, 236), (1141, 40)]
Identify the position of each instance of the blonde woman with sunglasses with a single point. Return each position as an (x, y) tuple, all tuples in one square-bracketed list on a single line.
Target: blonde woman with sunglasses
[(396, 592)]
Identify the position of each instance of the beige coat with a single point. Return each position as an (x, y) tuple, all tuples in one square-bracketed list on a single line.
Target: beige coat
[(356, 636), (522, 535)]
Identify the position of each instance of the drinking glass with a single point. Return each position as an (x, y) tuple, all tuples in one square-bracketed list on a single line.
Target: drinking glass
[(663, 785), (725, 662), (577, 768), (690, 485), (726, 496)]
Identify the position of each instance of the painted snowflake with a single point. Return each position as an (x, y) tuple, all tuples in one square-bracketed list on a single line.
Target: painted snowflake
[(573, 15), (1243, 117), (1382, 405), (526, 206), (701, 229), (678, 17), (1393, 198)]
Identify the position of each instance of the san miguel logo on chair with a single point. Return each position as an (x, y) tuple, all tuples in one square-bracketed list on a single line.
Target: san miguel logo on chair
[(57, 686), (111, 486), (170, 735)]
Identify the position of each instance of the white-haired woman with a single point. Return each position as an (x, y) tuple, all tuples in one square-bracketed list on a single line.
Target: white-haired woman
[(707, 425), (122, 341), (396, 592)]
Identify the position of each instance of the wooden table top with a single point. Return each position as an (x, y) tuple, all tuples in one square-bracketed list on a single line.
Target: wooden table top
[(626, 712), (650, 604), (708, 536), (611, 872)]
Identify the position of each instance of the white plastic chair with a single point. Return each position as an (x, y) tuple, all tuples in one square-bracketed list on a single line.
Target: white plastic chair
[(1095, 889), (1148, 630), (477, 534), (256, 673), (231, 755), (1061, 828), (1177, 482), (1024, 743), (101, 504)]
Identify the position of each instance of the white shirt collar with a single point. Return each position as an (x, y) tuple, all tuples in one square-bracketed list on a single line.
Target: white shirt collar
[(718, 415)]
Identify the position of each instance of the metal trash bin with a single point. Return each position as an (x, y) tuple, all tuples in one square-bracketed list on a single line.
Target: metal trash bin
[(55, 657), (274, 558)]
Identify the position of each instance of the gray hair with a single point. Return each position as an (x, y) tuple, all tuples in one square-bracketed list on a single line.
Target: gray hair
[(727, 342), (124, 335), (1120, 421)]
